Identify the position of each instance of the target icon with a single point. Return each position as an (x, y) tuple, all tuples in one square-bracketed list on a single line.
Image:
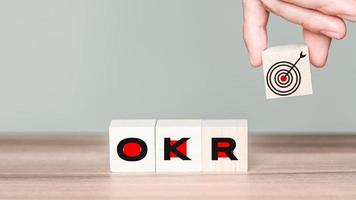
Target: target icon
[(284, 78)]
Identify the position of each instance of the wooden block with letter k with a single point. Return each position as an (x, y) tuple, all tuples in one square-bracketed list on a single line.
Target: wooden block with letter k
[(178, 146)]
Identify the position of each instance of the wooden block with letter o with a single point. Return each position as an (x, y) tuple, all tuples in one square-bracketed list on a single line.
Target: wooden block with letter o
[(287, 71), (178, 146), (225, 145), (132, 145)]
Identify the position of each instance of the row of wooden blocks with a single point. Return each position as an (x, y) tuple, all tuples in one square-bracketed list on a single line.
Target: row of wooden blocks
[(178, 146)]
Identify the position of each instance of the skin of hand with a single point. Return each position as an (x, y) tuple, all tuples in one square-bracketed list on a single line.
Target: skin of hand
[(321, 20)]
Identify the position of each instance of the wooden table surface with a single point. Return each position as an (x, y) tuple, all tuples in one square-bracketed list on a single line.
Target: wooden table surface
[(76, 167)]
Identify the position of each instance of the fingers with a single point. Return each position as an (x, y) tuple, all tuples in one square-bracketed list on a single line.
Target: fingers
[(255, 34), (312, 20), (318, 47), (342, 8)]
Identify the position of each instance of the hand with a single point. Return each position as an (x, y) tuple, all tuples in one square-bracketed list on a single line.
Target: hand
[(322, 20)]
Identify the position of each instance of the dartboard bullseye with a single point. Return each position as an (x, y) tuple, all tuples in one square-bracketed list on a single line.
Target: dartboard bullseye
[(284, 78), (286, 70)]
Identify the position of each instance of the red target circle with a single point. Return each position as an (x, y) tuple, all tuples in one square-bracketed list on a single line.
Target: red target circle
[(283, 79)]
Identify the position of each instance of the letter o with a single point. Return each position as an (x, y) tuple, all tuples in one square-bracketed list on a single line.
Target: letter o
[(140, 156)]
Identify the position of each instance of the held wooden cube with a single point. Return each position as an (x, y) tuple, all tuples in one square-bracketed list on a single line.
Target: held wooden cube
[(178, 146), (287, 71), (132, 145), (225, 145)]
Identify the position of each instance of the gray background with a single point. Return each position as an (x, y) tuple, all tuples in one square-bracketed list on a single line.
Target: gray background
[(72, 66)]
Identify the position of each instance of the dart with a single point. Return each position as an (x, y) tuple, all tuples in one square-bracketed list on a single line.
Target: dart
[(301, 55)]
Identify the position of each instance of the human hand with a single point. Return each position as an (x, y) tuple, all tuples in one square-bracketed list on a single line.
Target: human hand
[(321, 20)]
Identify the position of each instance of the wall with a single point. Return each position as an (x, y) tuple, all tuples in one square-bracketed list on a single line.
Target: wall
[(72, 66)]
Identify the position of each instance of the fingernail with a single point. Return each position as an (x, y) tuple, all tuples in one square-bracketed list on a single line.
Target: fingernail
[(331, 34), (349, 17), (253, 64)]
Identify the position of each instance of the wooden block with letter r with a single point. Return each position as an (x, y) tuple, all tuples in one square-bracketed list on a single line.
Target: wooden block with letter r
[(287, 71), (178, 146), (132, 145), (225, 145)]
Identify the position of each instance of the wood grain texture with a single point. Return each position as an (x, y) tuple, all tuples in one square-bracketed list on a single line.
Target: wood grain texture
[(77, 167), (237, 131), (176, 130), (123, 129)]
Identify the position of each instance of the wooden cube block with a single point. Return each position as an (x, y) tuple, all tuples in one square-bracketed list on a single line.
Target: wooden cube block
[(132, 145), (287, 71), (225, 145), (178, 145)]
